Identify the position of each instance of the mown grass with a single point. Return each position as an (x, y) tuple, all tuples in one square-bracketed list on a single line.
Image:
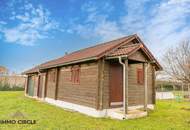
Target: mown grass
[(168, 115)]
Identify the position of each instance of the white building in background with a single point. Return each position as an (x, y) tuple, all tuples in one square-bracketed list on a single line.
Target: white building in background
[(165, 95)]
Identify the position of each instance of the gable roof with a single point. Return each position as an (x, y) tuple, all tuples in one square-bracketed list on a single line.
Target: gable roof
[(131, 49), (125, 51), (96, 52), (32, 70)]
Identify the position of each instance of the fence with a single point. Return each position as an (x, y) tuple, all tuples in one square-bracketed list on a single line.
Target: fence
[(12, 82)]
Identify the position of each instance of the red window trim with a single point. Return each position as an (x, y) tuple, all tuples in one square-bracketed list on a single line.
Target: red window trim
[(140, 76), (75, 74), (54, 76)]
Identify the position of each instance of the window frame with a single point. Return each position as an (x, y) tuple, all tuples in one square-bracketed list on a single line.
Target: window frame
[(75, 74), (140, 76), (52, 76)]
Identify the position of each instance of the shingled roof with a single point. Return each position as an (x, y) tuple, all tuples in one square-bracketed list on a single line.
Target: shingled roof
[(32, 70), (125, 51), (92, 53)]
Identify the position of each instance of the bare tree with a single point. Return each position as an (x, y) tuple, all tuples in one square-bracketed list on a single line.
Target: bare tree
[(176, 62)]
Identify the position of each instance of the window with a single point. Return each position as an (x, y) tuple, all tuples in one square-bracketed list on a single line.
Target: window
[(140, 76), (75, 74), (52, 76)]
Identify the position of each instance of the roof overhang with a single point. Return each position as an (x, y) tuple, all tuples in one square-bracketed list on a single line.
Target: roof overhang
[(103, 54), (145, 50), (69, 63), (158, 66)]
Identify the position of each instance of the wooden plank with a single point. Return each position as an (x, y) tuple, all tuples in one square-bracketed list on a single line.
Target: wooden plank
[(138, 56), (84, 93)]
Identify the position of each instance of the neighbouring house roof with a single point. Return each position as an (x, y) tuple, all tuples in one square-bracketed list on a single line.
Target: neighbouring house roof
[(94, 53), (3, 70)]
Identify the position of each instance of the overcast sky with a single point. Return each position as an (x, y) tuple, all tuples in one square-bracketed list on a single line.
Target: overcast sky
[(34, 31)]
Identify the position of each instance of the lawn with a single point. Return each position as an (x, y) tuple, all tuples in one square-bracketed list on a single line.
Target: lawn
[(168, 115)]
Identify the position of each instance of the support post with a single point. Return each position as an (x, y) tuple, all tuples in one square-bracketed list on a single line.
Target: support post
[(126, 86), (43, 76), (145, 67), (100, 90), (56, 82), (26, 85), (39, 76), (45, 87), (153, 85)]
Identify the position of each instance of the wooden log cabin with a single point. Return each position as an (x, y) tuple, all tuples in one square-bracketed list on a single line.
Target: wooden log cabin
[(106, 80)]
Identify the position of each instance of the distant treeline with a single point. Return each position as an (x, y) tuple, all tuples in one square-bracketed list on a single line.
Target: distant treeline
[(8, 87)]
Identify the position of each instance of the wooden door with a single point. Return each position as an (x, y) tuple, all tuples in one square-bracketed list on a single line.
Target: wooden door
[(116, 87), (40, 86), (31, 86)]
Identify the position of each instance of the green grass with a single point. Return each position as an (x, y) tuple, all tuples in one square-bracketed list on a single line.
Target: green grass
[(168, 115)]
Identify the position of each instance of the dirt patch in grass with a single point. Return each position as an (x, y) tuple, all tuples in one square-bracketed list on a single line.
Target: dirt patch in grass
[(186, 109)]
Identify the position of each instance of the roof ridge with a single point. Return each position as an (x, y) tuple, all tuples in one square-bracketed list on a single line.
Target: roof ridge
[(101, 43)]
